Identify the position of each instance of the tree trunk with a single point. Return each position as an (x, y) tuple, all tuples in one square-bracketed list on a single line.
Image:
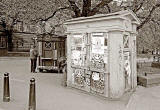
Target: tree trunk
[(86, 8), (10, 44)]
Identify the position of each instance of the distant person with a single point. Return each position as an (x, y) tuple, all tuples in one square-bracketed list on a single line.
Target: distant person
[(33, 57)]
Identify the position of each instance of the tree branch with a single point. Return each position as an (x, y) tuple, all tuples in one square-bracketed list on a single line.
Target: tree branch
[(86, 7), (100, 5), (149, 16), (53, 14), (75, 8), (156, 21), (109, 8), (138, 7)]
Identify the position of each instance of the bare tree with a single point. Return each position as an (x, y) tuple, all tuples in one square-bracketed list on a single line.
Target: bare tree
[(56, 12), (84, 8), (24, 11)]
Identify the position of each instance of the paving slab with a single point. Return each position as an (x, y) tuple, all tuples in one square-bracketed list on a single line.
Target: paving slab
[(145, 99)]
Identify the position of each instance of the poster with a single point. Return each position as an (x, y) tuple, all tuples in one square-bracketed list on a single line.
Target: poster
[(97, 50), (78, 40), (78, 50), (76, 57), (95, 76), (97, 44)]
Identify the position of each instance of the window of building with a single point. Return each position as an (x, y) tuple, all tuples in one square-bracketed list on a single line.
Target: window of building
[(2, 42)]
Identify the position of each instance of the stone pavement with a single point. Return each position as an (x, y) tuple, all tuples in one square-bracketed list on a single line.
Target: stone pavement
[(145, 99), (51, 95)]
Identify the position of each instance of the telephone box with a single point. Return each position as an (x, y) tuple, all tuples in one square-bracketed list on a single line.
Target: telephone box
[(101, 53), (51, 48)]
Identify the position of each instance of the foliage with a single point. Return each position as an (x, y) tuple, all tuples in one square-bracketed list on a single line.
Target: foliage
[(49, 15)]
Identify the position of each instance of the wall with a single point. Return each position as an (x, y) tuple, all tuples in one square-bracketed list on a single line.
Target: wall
[(69, 70), (3, 45), (116, 79), (98, 26), (3, 51), (22, 41)]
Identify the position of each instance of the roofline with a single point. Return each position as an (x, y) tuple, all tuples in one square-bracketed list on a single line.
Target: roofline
[(55, 35), (108, 16), (134, 15)]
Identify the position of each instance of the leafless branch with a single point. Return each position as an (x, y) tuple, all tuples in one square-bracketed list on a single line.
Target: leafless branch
[(138, 7), (75, 8), (109, 8), (149, 16), (86, 7), (53, 14), (100, 5)]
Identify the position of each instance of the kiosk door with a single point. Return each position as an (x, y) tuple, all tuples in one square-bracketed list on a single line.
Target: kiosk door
[(89, 59), (98, 61), (78, 61)]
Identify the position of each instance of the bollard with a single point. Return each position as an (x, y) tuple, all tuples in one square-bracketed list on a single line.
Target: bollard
[(6, 91), (32, 95)]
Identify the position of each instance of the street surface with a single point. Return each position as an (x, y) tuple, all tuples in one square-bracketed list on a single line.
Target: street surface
[(145, 99), (50, 93)]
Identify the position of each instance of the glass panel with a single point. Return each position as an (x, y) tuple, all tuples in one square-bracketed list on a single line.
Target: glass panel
[(78, 50), (98, 44), (79, 77), (97, 82), (98, 50)]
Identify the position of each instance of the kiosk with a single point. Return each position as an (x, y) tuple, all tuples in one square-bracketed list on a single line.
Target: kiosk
[(101, 53)]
